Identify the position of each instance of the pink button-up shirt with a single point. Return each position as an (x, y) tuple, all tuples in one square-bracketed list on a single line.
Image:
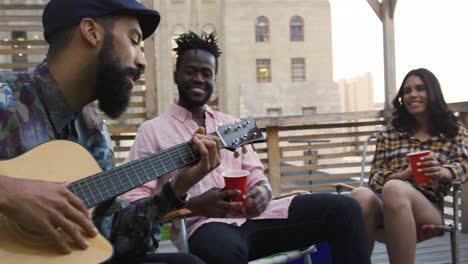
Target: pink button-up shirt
[(177, 127)]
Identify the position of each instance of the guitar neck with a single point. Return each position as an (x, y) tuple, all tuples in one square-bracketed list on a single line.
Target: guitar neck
[(103, 186)]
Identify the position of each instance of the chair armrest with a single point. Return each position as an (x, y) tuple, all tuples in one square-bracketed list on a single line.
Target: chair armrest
[(340, 186), (293, 193), (456, 183), (184, 212)]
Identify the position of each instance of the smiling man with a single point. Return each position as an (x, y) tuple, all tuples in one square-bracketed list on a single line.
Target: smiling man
[(218, 234)]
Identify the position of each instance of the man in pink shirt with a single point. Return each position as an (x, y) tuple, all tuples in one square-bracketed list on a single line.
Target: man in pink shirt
[(217, 233)]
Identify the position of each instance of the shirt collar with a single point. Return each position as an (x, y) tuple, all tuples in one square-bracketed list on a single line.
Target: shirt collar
[(182, 114), (58, 110), (432, 138)]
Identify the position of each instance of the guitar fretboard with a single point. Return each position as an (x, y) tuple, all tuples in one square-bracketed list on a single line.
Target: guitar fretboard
[(103, 186)]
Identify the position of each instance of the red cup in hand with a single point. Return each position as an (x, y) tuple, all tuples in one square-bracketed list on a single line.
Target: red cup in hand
[(237, 180), (414, 158)]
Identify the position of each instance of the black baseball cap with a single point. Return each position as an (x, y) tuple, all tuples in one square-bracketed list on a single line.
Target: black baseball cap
[(60, 15)]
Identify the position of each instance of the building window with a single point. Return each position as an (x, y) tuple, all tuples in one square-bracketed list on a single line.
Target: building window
[(263, 70), (274, 112), (262, 29), (296, 25), (208, 29), (298, 70), (19, 38), (309, 110)]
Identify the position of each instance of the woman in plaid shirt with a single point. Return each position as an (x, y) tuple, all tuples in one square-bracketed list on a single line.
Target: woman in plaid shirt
[(421, 121)]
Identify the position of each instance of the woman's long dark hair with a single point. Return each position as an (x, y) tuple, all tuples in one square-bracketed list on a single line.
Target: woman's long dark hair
[(442, 118)]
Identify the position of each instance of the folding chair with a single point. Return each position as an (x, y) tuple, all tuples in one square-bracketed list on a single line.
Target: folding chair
[(178, 219), (456, 189)]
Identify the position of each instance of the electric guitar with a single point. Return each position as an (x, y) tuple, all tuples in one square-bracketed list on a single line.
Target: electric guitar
[(62, 160)]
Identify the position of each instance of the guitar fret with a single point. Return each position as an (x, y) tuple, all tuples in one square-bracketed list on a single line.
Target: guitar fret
[(172, 161), (162, 163), (126, 175), (103, 183), (114, 190), (145, 173), (180, 155), (136, 176), (89, 190), (121, 185), (187, 146)]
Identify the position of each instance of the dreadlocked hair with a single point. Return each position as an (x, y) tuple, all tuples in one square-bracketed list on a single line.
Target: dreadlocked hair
[(190, 41)]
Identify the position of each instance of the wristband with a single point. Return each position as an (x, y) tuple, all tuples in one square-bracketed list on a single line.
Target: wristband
[(172, 197)]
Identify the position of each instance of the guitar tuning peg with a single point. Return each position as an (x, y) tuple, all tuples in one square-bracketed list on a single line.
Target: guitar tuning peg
[(244, 149), (236, 154), (253, 148)]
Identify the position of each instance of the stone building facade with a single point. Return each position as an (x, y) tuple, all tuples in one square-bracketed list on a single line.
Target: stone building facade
[(277, 55)]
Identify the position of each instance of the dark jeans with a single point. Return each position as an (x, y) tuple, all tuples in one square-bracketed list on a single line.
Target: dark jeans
[(172, 258), (313, 218), (160, 258)]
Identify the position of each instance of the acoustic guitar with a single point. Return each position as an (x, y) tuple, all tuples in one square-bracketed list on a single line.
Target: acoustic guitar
[(62, 160)]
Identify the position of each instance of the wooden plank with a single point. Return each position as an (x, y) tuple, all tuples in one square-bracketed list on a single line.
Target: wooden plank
[(324, 146), (122, 137), (138, 93), (331, 125), (121, 149), (274, 160), (322, 156), (22, 7), (321, 167), (326, 136), (136, 104), (24, 51), (11, 42), (377, 7), (29, 28), (317, 118), (314, 188), (306, 177), (122, 130), (10, 18), (119, 160), (18, 65)]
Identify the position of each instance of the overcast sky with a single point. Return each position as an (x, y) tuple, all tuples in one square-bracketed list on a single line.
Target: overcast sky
[(428, 33)]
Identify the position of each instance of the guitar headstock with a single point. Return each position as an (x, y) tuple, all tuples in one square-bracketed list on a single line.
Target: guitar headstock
[(239, 134)]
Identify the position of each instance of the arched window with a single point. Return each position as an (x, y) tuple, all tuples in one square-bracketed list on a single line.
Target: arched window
[(296, 25), (262, 29), (208, 29)]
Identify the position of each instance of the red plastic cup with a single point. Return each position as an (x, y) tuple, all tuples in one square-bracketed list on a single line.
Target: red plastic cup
[(414, 158), (237, 180)]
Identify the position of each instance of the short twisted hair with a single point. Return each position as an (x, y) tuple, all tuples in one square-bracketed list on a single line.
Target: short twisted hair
[(190, 41)]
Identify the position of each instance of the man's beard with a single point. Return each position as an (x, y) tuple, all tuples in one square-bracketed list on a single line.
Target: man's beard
[(113, 87), (194, 102)]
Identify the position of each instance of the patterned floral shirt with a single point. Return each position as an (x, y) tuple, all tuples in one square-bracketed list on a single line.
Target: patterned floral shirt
[(33, 110), (390, 157)]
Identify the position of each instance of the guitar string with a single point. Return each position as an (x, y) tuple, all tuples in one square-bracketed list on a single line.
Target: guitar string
[(83, 185)]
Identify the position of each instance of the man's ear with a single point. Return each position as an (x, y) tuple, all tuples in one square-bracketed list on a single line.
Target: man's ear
[(91, 31)]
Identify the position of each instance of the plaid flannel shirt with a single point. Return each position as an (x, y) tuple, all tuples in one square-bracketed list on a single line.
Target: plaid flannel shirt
[(390, 157)]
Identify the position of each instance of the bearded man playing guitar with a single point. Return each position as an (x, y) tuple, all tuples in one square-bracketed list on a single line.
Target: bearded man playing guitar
[(94, 54)]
